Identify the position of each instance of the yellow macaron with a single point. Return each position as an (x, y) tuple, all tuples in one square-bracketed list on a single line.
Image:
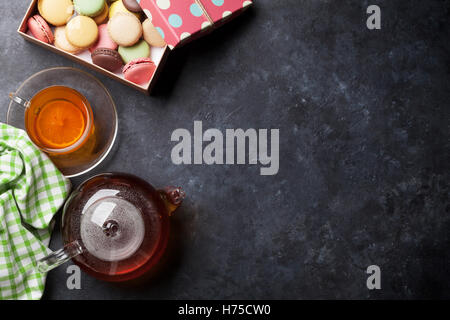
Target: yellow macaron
[(82, 31), (151, 35), (56, 12), (62, 43), (117, 7)]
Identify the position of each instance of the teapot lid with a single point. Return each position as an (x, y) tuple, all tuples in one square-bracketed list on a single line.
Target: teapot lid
[(112, 228)]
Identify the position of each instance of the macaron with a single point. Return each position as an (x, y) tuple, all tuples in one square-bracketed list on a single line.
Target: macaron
[(139, 71), (107, 59), (62, 43), (82, 32), (132, 5), (117, 7), (125, 29), (40, 29), (90, 8), (139, 50), (151, 35), (101, 18), (56, 12), (104, 40)]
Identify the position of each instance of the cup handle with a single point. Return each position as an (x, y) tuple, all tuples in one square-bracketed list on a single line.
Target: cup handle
[(20, 101), (57, 258)]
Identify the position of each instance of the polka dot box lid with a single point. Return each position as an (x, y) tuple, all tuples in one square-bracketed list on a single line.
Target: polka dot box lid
[(180, 20)]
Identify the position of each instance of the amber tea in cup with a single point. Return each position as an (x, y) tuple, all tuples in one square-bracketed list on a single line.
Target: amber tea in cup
[(58, 119)]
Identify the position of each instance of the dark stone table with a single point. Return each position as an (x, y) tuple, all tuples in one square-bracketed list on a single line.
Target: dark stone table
[(364, 162)]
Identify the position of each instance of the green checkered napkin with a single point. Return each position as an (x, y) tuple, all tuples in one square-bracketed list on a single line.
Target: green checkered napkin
[(31, 191)]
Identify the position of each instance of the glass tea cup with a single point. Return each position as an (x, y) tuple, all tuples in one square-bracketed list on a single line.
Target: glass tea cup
[(91, 149), (58, 119)]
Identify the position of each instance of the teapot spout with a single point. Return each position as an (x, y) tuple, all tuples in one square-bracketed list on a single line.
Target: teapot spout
[(172, 197)]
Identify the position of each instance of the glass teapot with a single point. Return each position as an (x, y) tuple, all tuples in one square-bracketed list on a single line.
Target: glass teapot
[(115, 226)]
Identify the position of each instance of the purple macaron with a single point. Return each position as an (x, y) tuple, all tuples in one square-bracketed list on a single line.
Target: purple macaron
[(132, 5), (107, 59)]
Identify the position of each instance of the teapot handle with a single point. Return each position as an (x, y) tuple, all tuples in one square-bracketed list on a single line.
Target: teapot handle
[(172, 197), (57, 258)]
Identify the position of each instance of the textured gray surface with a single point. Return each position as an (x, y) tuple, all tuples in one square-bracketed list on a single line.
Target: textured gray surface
[(363, 118)]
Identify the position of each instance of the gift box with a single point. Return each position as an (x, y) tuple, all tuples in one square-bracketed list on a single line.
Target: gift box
[(177, 21), (181, 21)]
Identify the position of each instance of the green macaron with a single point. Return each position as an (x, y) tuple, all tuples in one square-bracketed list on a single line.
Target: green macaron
[(90, 8), (139, 50)]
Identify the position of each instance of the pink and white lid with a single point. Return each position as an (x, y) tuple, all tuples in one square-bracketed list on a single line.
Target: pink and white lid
[(178, 20)]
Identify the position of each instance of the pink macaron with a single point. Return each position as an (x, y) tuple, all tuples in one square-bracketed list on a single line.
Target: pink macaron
[(40, 29), (104, 40), (139, 71)]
